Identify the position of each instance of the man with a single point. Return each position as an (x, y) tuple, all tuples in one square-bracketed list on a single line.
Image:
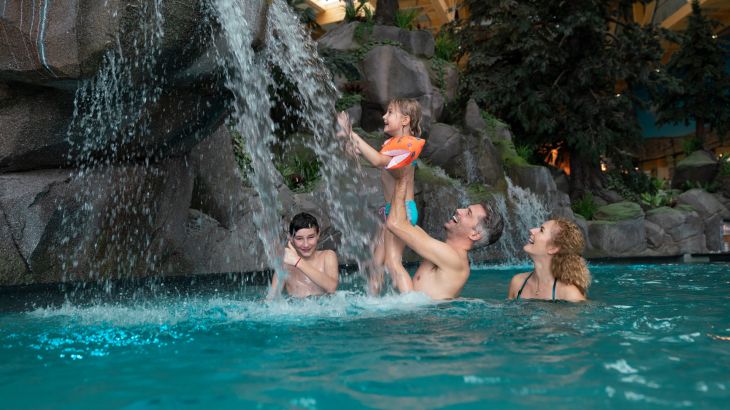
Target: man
[(311, 272), (445, 268)]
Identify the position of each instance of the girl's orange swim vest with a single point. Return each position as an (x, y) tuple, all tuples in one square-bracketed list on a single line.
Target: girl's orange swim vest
[(404, 150)]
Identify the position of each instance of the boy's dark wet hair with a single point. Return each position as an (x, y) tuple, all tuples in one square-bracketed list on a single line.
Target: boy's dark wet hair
[(302, 220)]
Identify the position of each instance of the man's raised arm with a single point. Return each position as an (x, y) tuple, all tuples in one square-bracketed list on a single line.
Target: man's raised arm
[(439, 253)]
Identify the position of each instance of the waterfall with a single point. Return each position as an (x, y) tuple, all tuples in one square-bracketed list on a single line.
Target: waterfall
[(291, 49), (521, 211), (110, 123), (249, 78)]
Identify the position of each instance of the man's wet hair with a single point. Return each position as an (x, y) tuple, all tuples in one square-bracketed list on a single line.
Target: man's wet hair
[(303, 220), (490, 227)]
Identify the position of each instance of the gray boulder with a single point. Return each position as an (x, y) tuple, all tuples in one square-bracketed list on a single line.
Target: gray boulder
[(34, 124), (684, 226), (473, 121), (443, 146), (621, 238), (341, 37), (536, 178), (390, 72), (705, 203), (417, 42)]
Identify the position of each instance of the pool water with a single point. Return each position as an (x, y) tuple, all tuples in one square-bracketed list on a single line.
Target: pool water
[(648, 338)]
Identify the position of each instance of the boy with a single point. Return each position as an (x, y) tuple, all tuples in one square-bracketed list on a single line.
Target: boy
[(311, 272)]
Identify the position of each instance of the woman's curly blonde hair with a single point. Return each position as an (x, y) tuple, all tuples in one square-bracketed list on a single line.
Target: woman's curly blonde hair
[(568, 266)]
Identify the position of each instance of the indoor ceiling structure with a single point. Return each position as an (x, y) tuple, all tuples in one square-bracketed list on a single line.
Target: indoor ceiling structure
[(434, 13), (670, 14)]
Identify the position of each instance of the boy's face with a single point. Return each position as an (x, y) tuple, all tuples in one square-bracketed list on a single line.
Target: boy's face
[(394, 121), (305, 241)]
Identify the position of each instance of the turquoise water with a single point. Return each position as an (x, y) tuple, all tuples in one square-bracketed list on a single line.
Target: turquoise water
[(643, 341)]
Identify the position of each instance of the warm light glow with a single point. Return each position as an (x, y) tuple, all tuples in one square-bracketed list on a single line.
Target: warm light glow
[(714, 36), (604, 167)]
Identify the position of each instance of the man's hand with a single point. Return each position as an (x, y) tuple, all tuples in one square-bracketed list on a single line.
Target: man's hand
[(291, 257)]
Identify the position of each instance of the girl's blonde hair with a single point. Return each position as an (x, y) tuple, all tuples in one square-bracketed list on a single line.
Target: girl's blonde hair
[(411, 108), (568, 266)]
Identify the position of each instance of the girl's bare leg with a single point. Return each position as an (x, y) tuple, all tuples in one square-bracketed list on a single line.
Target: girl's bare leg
[(394, 247), (375, 271)]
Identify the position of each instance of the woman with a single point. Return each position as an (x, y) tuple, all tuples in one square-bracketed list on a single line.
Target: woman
[(560, 272)]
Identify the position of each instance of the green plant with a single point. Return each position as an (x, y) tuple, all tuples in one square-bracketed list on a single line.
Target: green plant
[(358, 12), (301, 173), (341, 62), (711, 186), (406, 19), (724, 167), (347, 101), (445, 47), (243, 160), (691, 145), (526, 152), (658, 199), (439, 67), (491, 121), (585, 206)]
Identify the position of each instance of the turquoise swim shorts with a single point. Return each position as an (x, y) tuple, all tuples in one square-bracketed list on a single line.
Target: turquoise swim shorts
[(411, 211)]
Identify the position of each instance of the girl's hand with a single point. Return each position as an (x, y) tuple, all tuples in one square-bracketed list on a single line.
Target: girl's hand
[(344, 127), (291, 257)]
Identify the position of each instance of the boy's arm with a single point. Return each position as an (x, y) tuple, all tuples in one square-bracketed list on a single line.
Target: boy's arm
[(274, 288), (441, 254), (326, 280)]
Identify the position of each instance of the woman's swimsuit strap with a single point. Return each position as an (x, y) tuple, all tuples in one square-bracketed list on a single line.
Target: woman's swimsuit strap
[(523, 285), (555, 284)]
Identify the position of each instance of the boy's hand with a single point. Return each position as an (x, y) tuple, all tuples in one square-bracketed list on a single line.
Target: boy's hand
[(291, 257)]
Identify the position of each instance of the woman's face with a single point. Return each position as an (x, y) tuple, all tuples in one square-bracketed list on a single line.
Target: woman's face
[(541, 239)]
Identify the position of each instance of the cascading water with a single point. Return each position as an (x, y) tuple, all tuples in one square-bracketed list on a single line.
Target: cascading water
[(249, 78), (291, 49), (109, 221), (521, 211)]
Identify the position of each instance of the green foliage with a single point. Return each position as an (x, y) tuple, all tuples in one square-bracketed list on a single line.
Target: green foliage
[(446, 47), (439, 67), (300, 172), (724, 167), (699, 89), (660, 196), (491, 121), (365, 48), (347, 101), (550, 68), (691, 145), (711, 186), (357, 12), (406, 19), (508, 153), (631, 184), (341, 62), (363, 31), (585, 206), (526, 152), (243, 160)]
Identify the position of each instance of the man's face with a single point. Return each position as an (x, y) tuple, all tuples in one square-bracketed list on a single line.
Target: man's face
[(305, 241), (465, 220)]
